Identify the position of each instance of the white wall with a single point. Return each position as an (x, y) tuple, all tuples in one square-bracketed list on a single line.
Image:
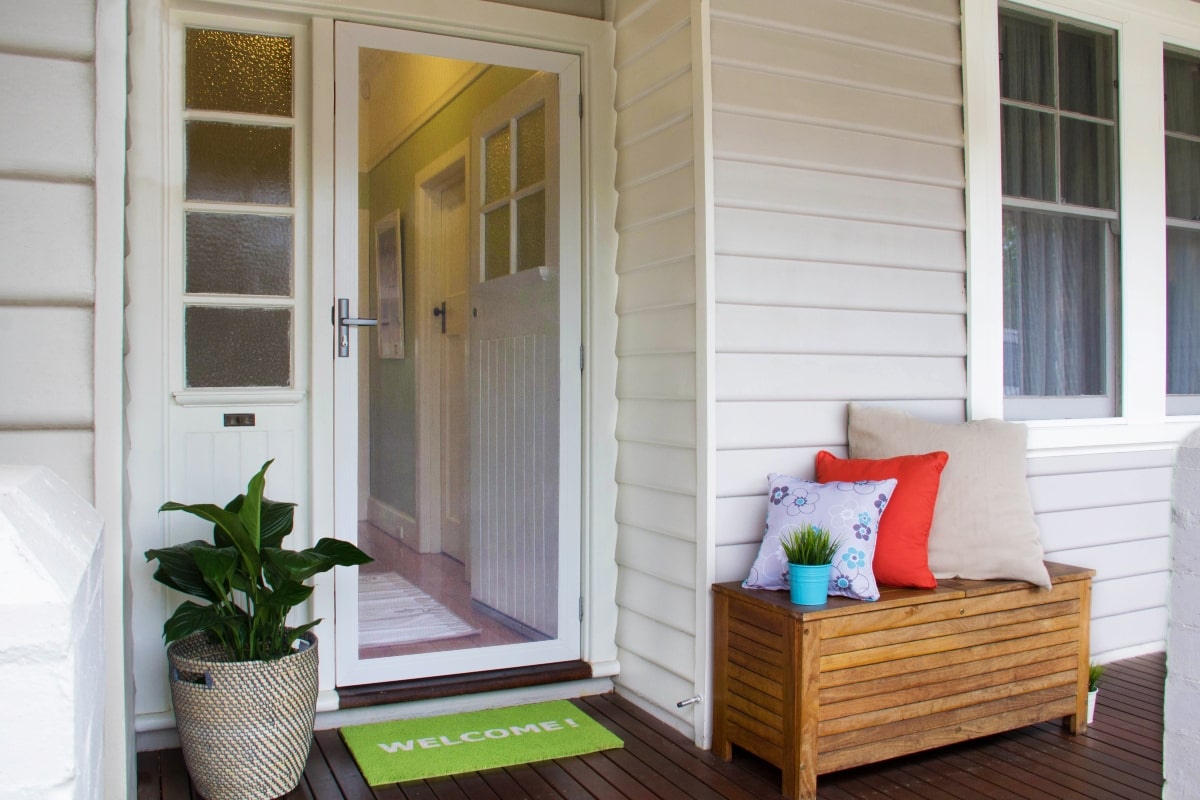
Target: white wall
[(840, 264), (47, 235), (1181, 739), (52, 641), (657, 463)]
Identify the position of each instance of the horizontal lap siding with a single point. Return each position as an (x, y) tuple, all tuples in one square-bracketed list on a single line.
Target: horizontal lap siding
[(1112, 514), (840, 261), (656, 349), (47, 235)]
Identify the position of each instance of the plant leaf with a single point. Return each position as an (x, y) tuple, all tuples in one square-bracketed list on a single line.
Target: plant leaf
[(191, 618), (327, 554), (228, 522), (277, 521), (177, 569), (289, 594), (297, 632), (217, 565), (251, 511)]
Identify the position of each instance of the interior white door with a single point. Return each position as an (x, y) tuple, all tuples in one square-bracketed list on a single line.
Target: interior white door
[(514, 350), (555, 298)]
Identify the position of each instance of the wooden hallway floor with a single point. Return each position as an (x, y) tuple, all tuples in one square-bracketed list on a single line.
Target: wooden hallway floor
[(1119, 757)]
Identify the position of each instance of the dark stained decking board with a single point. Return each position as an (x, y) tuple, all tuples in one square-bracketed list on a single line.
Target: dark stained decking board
[(1120, 756)]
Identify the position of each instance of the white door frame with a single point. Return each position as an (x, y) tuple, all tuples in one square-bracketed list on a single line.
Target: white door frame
[(351, 669), (429, 405)]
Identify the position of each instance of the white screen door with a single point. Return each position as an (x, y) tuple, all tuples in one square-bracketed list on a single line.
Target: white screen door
[(473, 360)]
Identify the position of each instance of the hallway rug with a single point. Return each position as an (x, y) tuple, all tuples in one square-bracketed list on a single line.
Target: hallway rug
[(392, 611), (411, 749)]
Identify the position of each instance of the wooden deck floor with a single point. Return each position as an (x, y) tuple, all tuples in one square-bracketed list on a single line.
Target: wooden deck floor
[(1120, 757)]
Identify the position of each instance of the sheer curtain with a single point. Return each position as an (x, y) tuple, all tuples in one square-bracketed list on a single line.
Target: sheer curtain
[(1182, 78), (1056, 304)]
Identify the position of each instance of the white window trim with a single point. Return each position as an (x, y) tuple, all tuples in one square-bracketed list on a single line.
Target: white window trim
[(1143, 28)]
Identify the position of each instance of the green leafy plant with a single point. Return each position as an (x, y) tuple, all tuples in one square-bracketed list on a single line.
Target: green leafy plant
[(1095, 673), (809, 544), (249, 581)]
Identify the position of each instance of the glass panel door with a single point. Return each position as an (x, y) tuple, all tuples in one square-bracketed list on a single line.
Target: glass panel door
[(450, 410)]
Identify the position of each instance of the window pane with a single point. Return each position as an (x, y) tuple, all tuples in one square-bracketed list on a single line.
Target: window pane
[(1181, 76), (1085, 74), (496, 258), (243, 72), (1088, 163), (497, 166), (1026, 60), (531, 231), (1183, 311), (238, 254), (237, 346), (1027, 153), (1183, 178), (239, 163), (531, 148), (1055, 305)]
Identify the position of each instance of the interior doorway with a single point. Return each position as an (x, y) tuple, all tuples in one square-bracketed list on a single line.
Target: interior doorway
[(453, 151)]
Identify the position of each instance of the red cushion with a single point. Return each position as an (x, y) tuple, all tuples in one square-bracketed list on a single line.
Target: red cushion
[(902, 551)]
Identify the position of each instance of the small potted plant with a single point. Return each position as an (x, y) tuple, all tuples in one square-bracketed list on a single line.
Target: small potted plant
[(809, 550), (1095, 673), (244, 681)]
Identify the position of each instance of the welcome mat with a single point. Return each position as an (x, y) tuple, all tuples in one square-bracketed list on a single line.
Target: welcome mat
[(411, 749), (392, 611)]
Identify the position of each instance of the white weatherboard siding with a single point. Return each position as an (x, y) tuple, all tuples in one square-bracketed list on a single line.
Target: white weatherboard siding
[(840, 262), (656, 348), (47, 237), (840, 267)]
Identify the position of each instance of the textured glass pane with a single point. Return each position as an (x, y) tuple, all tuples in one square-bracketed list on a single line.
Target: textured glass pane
[(495, 243), (1183, 311), (1027, 153), (1085, 74), (239, 163), (531, 231), (238, 254), (1181, 75), (1089, 163), (497, 166), (245, 72), (1026, 65), (238, 346), (531, 148), (1055, 305)]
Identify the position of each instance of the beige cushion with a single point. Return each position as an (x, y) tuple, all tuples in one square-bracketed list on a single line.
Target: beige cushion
[(983, 525)]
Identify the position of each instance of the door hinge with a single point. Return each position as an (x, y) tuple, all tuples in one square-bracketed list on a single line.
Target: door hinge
[(581, 106), (581, 608), (581, 358)]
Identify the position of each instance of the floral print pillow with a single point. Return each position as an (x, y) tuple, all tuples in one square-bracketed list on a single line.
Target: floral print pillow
[(850, 511)]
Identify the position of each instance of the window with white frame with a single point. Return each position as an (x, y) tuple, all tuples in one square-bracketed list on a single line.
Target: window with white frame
[(1060, 186), (239, 209), (1181, 81)]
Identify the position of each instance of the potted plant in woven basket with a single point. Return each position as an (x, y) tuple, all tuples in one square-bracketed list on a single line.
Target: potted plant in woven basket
[(244, 683)]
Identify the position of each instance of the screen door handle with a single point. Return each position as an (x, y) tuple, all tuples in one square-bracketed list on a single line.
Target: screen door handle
[(345, 322)]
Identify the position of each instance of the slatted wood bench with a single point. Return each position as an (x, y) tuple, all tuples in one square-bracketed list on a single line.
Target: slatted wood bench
[(814, 689)]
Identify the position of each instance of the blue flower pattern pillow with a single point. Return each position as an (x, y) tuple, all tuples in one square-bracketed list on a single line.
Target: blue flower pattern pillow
[(850, 511)]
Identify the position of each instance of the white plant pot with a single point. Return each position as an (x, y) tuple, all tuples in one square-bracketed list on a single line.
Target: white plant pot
[(1092, 704)]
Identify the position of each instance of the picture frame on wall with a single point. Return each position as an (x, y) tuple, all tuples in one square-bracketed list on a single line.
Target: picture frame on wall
[(389, 282)]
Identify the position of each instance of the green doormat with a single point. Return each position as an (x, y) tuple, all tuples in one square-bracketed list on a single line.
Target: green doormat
[(410, 749)]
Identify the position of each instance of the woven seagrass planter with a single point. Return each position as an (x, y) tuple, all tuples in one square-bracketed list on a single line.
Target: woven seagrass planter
[(246, 726)]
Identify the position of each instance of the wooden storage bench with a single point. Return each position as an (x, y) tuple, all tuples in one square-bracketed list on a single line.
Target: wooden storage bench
[(814, 689)]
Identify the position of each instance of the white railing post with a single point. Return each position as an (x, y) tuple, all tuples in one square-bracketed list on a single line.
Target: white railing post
[(1181, 734), (51, 640)]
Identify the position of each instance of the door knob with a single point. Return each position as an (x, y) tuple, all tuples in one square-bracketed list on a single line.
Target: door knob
[(440, 311), (344, 323)]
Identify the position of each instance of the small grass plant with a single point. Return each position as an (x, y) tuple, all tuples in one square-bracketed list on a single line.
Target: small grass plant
[(1095, 673), (811, 545)]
